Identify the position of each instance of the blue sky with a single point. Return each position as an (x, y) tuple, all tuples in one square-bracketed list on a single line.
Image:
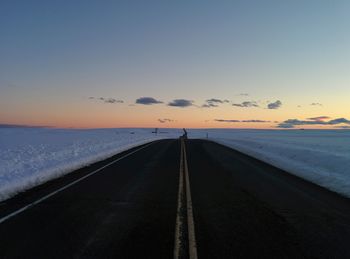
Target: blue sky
[(57, 54)]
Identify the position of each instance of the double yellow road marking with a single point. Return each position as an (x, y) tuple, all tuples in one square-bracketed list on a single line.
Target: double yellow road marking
[(184, 206)]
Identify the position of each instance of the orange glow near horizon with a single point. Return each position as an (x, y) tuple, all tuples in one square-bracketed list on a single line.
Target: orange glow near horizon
[(103, 120), (84, 113)]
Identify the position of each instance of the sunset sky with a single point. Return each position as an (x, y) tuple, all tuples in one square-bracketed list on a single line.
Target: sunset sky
[(240, 64)]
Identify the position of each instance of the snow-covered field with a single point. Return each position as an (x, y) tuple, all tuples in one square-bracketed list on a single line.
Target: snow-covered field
[(320, 156), (31, 156)]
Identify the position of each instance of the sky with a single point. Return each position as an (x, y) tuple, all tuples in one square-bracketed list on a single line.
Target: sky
[(194, 64)]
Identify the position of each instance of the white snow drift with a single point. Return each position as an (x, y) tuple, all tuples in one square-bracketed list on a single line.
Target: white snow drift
[(31, 156), (320, 156)]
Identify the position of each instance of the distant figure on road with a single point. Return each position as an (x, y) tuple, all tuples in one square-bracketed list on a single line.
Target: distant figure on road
[(185, 134), (155, 131)]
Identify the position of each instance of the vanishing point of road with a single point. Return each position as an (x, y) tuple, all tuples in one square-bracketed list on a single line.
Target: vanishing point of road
[(176, 199)]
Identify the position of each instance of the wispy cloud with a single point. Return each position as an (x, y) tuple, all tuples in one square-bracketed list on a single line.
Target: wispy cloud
[(181, 103), (222, 120), (112, 100), (209, 105), (316, 104), (246, 104), (339, 121), (106, 100), (213, 102), (319, 118), (165, 120), (2, 125), (243, 94), (274, 105), (147, 101), (291, 123), (285, 126), (255, 121), (246, 121)]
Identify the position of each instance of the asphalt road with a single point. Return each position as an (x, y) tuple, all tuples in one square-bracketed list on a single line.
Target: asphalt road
[(195, 199)]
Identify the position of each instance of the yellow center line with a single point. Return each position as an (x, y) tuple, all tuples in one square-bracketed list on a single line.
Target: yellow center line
[(184, 189), (190, 220)]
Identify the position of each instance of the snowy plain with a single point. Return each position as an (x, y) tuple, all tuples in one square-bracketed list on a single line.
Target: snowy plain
[(319, 156), (31, 156)]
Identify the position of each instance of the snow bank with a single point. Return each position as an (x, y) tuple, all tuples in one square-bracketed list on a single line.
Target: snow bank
[(31, 156), (320, 156)]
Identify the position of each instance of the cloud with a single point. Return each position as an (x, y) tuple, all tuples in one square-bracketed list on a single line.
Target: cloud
[(243, 94), (274, 105), (106, 100), (209, 105), (2, 125), (319, 118), (112, 100), (147, 101), (249, 121), (339, 121), (285, 126), (165, 120), (213, 102), (181, 103), (291, 123), (256, 121), (246, 104), (316, 104), (222, 120)]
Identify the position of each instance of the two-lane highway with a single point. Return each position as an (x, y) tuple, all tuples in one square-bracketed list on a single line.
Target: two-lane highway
[(176, 198)]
